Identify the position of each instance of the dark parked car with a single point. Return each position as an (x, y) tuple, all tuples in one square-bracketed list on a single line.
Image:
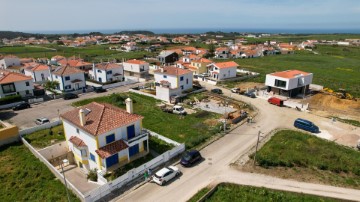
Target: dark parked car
[(216, 90), (69, 96), (99, 90), (252, 95), (190, 157), (20, 106), (306, 125)]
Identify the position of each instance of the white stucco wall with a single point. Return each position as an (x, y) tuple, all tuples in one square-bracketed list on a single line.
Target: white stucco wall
[(227, 73), (130, 67), (290, 83)]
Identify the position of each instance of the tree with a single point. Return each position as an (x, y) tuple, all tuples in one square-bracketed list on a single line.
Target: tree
[(51, 85), (211, 52)]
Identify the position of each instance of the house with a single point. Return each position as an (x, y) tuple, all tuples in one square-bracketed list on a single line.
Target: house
[(107, 72), (168, 57), (129, 46), (199, 66), (172, 81), (9, 61), (39, 72), (289, 83), (69, 78), (104, 137), (222, 70), (136, 68), (222, 52), (12, 83), (76, 63)]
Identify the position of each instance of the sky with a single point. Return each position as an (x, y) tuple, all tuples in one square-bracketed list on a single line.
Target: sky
[(46, 15)]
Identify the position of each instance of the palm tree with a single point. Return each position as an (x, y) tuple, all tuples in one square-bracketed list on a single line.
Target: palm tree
[(51, 85)]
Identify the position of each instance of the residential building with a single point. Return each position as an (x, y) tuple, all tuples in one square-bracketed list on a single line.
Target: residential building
[(289, 83), (199, 66), (107, 72), (105, 137), (39, 72), (9, 61), (69, 78), (172, 81), (222, 70), (168, 57), (13, 83), (136, 68), (222, 52), (76, 63)]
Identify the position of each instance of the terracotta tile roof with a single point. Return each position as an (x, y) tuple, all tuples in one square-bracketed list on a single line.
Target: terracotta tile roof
[(222, 49), (101, 118), (107, 66), (111, 149), (290, 74), (203, 60), (137, 62), (40, 68), (10, 77), (77, 63), (67, 70), (171, 70), (77, 141), (223, 65), (189, 48)]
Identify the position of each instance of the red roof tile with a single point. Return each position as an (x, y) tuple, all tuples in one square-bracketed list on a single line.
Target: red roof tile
[(10, 77), (77, 141), (107, 66), (137, 62), (289, 74), (223, 65), (111, 149), (67, 70), (171, 70)]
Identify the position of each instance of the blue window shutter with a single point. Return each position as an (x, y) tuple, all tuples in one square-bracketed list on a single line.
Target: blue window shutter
[(92, 157), (110, 138)]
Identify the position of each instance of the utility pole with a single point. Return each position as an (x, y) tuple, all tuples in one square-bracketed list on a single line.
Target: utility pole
[(257, 144)]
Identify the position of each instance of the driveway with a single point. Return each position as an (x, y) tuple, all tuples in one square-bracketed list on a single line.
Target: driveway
[(228, 149)]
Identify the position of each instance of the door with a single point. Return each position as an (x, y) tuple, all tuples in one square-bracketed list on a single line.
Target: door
[(112, 160), (134, 150), (130, 132)]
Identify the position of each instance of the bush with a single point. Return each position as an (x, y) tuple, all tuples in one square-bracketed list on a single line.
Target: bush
[(92, 175), (10, 99)]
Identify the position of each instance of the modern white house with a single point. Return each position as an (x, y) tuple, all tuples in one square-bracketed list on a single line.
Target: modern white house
[(12, 83), (9, 61), (222, 70), (289, 83), (136, 68), (40, 73), (105, 137), (69, 78), (107, 72), (172, 81)]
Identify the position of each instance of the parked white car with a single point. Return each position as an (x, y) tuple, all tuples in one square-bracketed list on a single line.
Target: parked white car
[(165, 174)]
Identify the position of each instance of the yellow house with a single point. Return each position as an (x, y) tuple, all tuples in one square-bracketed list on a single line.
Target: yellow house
[(199, 66), (8, 133)]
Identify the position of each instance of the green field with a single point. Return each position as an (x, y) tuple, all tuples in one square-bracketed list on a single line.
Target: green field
[(334, 67), (191, 129), (232, 192), (303, 37), (297, 152), (44, 138), (24, 178)]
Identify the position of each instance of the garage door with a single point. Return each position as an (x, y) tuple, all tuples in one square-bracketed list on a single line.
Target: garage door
[(112, 160), (134, 150)]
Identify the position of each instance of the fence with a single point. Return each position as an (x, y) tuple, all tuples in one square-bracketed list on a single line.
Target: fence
[(128, 81), (54, 150), (142, 93), (35, 100), (40, 127), (164, 138)]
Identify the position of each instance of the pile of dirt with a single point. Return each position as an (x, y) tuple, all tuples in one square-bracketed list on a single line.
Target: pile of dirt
[(249, 85)]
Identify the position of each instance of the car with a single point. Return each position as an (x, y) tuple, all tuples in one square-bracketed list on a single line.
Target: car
[(276, 101), (69, 96), (235, 90), (165, 174), (306, 125), (42, 120), (251, 95), (99, 90), (190, 157), (20, 106), (216, 90)]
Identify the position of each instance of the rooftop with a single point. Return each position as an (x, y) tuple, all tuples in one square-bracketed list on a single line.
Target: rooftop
[(290, 74), (10, 77), (66, 70), (171, 70), (137, 62), (223, 65)]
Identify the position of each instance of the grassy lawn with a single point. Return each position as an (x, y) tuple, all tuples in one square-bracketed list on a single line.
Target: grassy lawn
[(307, 157), (348, 121), (334, 67), (199, 194), (192, 129), (232, 192), (158, 145), (44, 138), (24, 178)]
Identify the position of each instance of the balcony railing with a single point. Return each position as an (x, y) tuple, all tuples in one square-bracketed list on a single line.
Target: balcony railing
[(142, 134)]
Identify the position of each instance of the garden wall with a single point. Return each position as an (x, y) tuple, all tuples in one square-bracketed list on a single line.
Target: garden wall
[(40, 127)]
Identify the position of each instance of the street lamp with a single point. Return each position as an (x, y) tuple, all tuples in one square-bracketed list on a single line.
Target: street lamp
[(62, 169)]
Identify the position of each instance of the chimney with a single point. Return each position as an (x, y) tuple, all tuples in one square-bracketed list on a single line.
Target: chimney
[(129, 105), (82, 117)]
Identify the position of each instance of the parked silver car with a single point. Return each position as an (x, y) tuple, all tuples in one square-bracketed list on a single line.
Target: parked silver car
[(165, 174)]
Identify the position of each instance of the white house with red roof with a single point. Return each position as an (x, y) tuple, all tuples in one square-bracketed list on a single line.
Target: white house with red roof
[(69, 78), (136, 68), (39, 72), (222, 70), (107, 72), (104, 137), (222, 52), (9, 61), (172, 81), (12, 83), (289, 83)]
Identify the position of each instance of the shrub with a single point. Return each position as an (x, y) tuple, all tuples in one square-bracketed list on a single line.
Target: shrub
[(10, 99), (92, 175)]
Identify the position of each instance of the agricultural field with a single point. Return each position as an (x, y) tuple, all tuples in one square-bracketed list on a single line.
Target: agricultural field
[(24, 178), (304, 157), (193, 129), (333, 67), (232, 192)]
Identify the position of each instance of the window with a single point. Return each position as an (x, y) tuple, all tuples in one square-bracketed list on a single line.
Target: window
[(67, 78), (187, 81), (164, 76), (109, 72), (99, 71), (77, 131), (92, 157), (68, 87), (27, 83), (55, 77), (27, 92), (280, 83), (110, 138), (8, 88), (181, 78), (84, 153), (182, 87)]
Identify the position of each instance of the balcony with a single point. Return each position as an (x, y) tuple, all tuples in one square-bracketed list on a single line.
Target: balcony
[(143, 135)]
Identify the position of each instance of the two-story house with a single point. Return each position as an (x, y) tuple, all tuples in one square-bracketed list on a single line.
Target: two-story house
[(12, 83), (9, 61), (107, 72), (104, 137), (167, 57), (136, 68), (172, 81), (39, 72), (199, 66), (69, 78), (289, 83), (222, 70), (222, 52)]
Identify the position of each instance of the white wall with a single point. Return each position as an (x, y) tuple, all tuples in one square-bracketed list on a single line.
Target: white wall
[(227, 73), (172, 79), (8, 62), (290, 83), (135, 67), (99, 73), (36, 75), (62, 85)]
